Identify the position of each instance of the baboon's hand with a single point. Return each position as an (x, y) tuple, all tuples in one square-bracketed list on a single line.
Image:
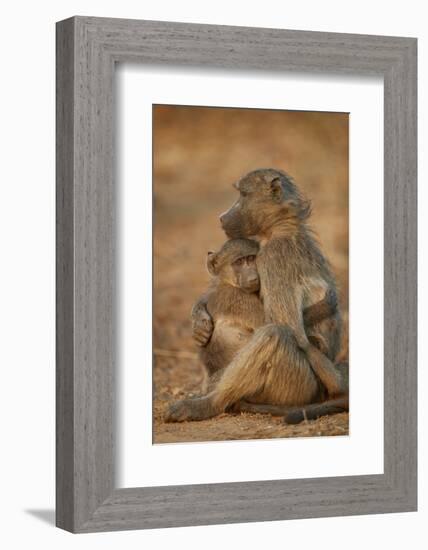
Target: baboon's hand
[(202, 327), (302, 340), (319, 342), (331, 299)]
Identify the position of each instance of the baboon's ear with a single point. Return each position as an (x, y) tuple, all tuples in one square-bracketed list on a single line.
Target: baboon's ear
[(212, 263), (276, 189)]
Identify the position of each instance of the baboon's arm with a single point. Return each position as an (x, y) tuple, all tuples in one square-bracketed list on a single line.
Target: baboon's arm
[(202, 323), (320, 363), (321, 310), (324, 369), (330, 377), (286, 308)]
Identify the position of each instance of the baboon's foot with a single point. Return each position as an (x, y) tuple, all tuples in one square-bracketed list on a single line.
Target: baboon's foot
[(199, 408)]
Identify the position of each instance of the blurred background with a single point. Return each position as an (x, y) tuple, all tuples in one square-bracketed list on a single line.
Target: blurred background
[(198, 152)]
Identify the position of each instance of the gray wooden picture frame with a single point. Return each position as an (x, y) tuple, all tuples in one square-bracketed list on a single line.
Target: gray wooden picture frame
[(87, 50)]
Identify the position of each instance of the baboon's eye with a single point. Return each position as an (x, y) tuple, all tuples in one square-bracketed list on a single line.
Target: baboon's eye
[(251, 258), (238, 262)]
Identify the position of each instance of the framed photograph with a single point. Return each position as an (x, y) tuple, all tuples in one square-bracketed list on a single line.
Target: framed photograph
[(189, 245), (236, 274)]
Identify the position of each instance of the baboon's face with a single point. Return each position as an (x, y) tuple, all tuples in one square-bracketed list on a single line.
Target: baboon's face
[(235, 264), (260, 196), (246, 274)]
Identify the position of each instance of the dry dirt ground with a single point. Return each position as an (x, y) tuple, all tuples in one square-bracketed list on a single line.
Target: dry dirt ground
[(198, 154)]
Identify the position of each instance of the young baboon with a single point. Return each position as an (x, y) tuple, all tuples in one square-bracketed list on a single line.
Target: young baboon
[(234, 305), (279, 365), (232, 302)]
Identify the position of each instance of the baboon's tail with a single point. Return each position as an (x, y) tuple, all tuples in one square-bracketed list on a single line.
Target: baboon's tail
[(316, 410), (294, 415)]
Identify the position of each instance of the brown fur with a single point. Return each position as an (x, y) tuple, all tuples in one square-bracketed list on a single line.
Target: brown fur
[(294, 415), (236, 311), (279, 365)]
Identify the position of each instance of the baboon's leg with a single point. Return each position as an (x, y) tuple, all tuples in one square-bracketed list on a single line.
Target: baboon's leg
[(199, 408), (295, 415), (270, 367)]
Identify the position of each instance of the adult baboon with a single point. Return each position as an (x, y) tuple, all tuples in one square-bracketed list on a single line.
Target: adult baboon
[(279, 365), (234, 305)]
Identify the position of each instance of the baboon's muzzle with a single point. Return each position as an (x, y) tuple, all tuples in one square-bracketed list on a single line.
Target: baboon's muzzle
[(231, 222)]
